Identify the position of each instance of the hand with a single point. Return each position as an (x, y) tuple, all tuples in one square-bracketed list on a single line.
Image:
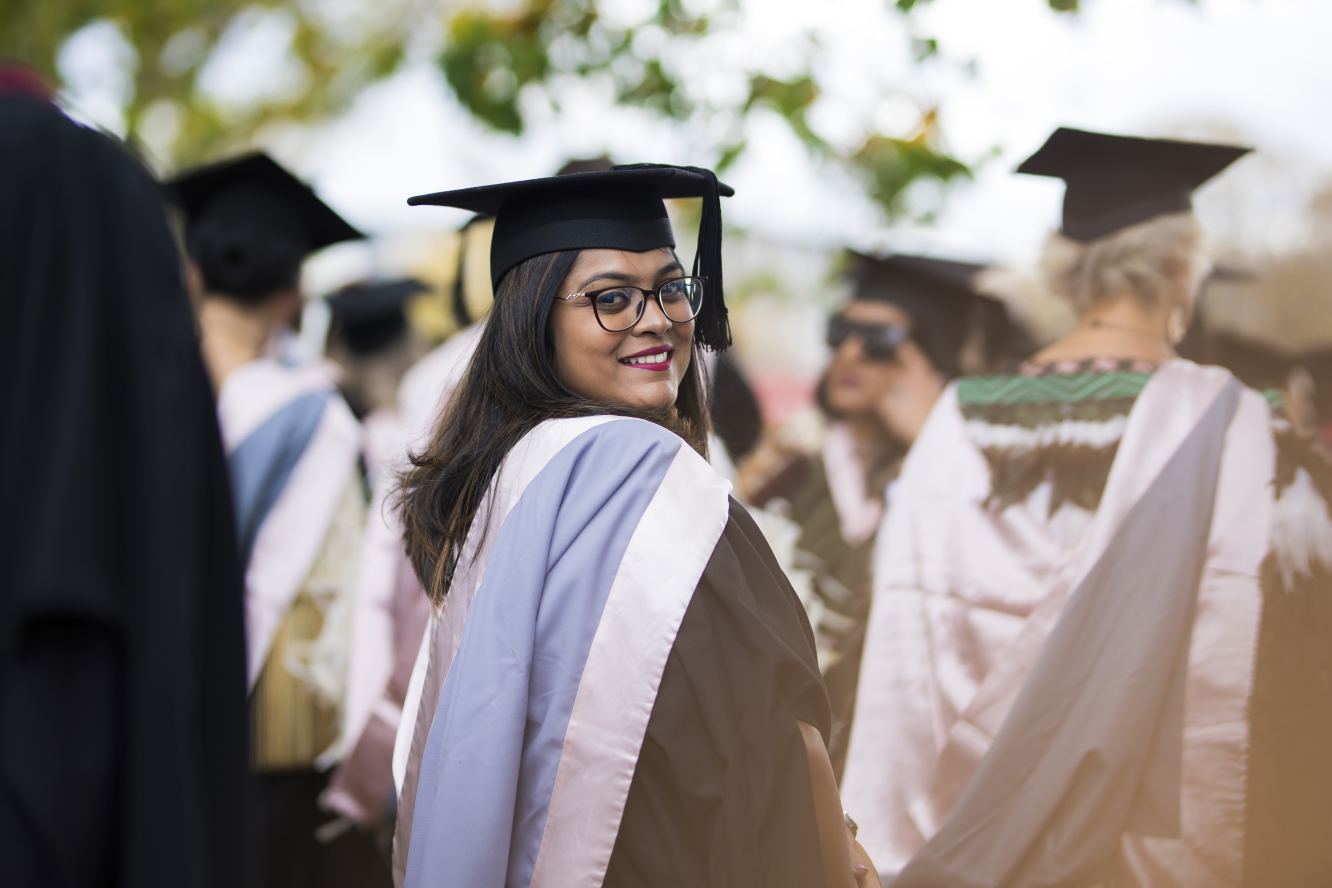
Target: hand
[(910, 398)]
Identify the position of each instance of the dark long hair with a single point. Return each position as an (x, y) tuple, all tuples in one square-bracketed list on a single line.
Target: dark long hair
[(509, 388)]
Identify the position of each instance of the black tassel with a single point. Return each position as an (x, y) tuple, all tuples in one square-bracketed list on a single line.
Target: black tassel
[(712, 330)]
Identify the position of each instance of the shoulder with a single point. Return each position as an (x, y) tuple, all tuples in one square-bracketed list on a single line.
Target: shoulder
[(613, 445), (592, 452), (256, 392)]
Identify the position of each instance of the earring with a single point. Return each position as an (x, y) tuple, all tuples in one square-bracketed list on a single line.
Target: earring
[(1176, 326)]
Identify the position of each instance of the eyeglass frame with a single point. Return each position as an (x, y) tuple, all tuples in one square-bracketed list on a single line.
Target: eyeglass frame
[(642, 306)]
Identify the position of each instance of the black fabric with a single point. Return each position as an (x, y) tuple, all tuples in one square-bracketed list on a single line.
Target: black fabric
[(721, 796), (199, 191), (635, 235), (294, 854), (364, 302), (1118, 181), (122, 672), (369, 337), (734, 409), (370, 316)]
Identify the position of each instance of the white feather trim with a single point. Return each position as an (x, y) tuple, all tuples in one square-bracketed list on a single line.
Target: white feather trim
[(989, 436), (1301, 529)]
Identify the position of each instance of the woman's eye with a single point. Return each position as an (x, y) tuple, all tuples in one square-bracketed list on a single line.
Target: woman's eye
[(612, 300), (674, 292)]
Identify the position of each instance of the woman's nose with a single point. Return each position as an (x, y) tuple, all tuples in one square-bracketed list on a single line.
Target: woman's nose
[(654, 320)]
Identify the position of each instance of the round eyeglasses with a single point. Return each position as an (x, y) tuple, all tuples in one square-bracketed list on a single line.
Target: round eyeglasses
[(619, 308)]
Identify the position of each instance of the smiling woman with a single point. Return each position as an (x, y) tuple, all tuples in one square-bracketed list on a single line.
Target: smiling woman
[(619, 679), (630, 344)]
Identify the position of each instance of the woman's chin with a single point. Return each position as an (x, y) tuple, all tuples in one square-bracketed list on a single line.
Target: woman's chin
[(849, 407), (648, 395)]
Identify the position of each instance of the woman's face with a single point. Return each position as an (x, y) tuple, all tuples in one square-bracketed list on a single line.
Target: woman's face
[(856, 384), (640, 367)]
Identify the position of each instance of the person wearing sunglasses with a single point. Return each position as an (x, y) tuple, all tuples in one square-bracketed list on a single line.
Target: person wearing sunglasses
[(893, 346), (618, 686), (1103, 591)]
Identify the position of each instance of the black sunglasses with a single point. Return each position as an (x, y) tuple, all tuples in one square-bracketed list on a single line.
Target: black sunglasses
[(879, 342)]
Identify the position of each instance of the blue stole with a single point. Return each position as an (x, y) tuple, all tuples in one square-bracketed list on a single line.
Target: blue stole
[(261, 465)]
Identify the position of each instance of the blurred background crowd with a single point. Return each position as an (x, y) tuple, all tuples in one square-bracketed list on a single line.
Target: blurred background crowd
[(851, 130)]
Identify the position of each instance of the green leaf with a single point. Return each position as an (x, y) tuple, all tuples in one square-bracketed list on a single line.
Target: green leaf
[(489, 58), (893, 165), (922, 49), (729, 155), (789, 98), (658, 91)]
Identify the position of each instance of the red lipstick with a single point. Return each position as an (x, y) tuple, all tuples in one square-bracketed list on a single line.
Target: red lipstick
[(656, 359)]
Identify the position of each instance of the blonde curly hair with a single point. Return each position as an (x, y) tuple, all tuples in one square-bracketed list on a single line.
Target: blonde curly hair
[(1162, 261)]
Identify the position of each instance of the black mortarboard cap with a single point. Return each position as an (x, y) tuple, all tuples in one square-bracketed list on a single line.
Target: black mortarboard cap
[(938, 294), (256, 186), (1118, 181), (370, 315), (618, 209)]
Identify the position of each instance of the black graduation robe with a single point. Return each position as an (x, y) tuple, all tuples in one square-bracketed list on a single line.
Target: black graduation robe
[(122, 673), (721, 795)]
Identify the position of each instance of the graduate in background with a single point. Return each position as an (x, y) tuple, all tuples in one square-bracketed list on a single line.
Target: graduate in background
[(122, 645), (894, 345), (1098, 643), (620, 686), (292, 448), (372, 341), (391, 607)]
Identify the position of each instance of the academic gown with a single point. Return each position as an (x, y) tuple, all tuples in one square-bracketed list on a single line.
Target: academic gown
[(122, 647), (292, 446), (721, 794), (610, 693), (1098, 647)]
